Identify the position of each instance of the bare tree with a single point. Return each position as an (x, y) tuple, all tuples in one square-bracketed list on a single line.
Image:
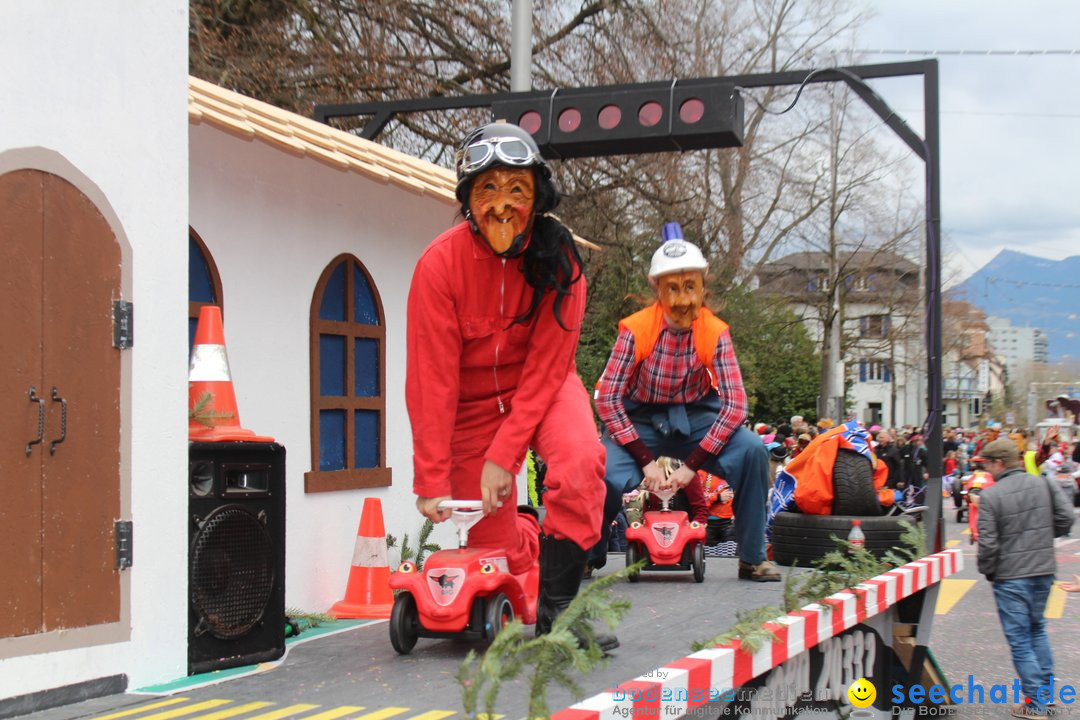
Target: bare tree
[(744, 206)]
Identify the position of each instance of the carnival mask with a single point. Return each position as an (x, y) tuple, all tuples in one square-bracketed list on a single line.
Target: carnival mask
[(501, 203), (681, 295)]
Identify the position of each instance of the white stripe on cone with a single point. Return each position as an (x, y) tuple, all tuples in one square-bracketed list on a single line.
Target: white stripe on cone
[(369, 552), (209, 363)]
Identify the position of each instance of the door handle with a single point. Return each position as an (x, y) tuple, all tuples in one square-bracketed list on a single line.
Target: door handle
[(40, 420), (63, 421)]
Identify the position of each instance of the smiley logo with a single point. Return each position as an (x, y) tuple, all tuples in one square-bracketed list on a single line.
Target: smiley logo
[(862, 693)]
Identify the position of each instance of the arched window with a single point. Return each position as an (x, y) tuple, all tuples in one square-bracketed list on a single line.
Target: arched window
[(204, 283), (348, 388)]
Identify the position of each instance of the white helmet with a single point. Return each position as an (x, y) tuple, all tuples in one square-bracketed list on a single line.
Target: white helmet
[(676, 255)]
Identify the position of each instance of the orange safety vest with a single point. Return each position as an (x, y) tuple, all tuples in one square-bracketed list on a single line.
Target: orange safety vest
[(645, 326)]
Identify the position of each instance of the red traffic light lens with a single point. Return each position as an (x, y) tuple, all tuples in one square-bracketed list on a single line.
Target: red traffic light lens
[(609, 117), (569, 120), (530, 121), (691, 111), (650, 113)]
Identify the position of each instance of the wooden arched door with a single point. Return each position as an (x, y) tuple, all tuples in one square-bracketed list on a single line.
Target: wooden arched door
[(60, 271)]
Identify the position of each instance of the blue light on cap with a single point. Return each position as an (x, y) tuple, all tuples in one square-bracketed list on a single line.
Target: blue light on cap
[(672, 231)]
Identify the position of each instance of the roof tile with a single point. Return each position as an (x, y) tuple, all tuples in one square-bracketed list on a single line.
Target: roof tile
[(254, 119)]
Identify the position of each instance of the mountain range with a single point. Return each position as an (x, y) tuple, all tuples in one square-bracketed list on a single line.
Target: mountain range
[(1033, 292)]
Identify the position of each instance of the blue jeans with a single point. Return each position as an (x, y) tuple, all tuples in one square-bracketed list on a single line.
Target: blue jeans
[(743, 462), (1021, 603)]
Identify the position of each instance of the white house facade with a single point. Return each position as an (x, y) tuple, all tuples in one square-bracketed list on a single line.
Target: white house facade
[(273, 210), (884, 354), (96, 105)]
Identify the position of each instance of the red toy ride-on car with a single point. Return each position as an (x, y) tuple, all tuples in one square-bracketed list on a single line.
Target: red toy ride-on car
[(465, 593), (667, 540)]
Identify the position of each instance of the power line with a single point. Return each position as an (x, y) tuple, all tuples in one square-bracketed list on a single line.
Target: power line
[(1023, 283), (974, 53), (1010, 114)]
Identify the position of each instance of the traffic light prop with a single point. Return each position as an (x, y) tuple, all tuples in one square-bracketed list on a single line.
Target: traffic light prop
[(629, 119)]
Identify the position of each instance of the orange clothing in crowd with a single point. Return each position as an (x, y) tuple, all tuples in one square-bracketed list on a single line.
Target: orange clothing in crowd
[(979, 481), (714, 486), (814, 469)]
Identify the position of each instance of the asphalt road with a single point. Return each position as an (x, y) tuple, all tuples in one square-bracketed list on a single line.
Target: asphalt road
[(967, 639), (359, 668), (355, 674)]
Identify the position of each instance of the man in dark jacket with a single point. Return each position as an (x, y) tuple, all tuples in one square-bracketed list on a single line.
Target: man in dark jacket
[(1019, 517), (886, 450), (913, 461)]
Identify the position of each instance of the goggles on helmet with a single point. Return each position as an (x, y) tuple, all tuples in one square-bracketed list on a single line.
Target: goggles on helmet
[(509, 150)]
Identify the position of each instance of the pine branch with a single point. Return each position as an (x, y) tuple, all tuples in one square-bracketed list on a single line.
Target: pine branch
[(306, 620), (422, 549), (747, 630), (554, 657), (835, 571), (200, 414)]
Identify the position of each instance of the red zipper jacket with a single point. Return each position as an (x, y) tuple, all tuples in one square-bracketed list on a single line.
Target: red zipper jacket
[(477, 384)]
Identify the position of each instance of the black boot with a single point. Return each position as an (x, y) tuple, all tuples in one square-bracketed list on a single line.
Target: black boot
[(561, 565)]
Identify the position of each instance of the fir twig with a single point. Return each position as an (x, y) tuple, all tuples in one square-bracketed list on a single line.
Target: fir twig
[(306, 620), (747, 630), (554, 657), (422, 549), (200, 414), (837, 570)]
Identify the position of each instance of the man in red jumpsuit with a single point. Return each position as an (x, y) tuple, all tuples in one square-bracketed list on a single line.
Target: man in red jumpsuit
[(494, 313)]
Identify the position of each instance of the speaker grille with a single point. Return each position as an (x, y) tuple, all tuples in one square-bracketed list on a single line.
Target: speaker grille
[(232, 571)]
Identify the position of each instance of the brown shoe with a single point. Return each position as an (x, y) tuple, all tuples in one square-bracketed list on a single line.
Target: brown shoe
[(764, 571)]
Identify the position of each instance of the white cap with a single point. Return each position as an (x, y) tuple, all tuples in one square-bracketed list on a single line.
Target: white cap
[(676, 255)]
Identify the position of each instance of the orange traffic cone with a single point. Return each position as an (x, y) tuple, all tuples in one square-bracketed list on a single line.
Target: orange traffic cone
[(210, 389), (368, 593)]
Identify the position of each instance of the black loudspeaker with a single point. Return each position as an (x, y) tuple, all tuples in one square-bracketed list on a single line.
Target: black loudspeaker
[(236, 560)]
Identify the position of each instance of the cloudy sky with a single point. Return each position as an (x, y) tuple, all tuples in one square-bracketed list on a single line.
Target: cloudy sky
[(1010, 124)]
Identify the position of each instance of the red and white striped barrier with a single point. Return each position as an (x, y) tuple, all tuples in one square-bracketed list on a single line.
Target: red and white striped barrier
[(696, 679)]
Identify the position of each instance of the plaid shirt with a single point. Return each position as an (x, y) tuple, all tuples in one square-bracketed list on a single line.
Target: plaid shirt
[(672, 374)]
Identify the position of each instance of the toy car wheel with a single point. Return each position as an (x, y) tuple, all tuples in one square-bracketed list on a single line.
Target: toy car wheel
[(403, 622), (699, 563), (633, 554), (499, 613)]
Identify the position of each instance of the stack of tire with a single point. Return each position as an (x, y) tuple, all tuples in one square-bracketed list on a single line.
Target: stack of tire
[(799, 539)]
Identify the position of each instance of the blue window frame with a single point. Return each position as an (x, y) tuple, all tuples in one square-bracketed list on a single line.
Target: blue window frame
[(348, 397), (204, 283)]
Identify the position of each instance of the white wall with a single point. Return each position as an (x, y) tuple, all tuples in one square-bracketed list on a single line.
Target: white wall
[(96, 91), (273, 222)]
